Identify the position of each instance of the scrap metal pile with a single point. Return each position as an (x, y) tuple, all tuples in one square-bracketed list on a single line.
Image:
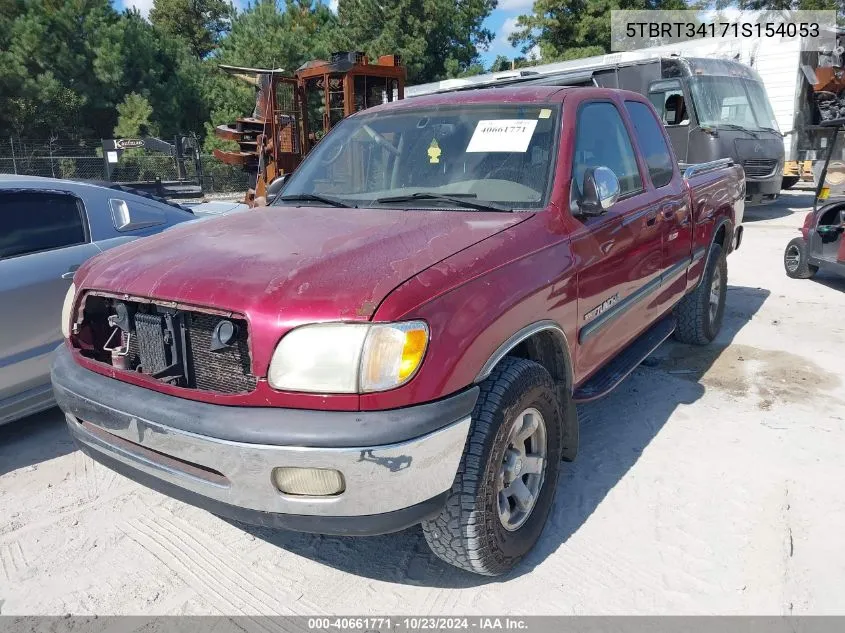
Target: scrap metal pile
[(830, 105)]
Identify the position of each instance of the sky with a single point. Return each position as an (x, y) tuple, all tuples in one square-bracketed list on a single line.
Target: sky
[(502, 22)]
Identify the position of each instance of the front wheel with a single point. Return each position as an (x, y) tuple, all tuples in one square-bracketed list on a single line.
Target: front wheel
[(796, 260), (700, 313), (506, 481)]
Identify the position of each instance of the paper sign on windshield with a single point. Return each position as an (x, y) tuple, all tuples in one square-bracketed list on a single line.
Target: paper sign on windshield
[(502, 135)]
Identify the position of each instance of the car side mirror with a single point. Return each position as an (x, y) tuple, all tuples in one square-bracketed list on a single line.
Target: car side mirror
[(601, 190), (275, 187)]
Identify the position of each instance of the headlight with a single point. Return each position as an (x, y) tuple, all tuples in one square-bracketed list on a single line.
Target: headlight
[(348, 357), (67, 307)]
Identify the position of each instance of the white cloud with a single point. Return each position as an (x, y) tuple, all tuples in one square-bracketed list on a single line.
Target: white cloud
[(728, 13), (143, 6), (515, 5), (508, 27), (333, 5)]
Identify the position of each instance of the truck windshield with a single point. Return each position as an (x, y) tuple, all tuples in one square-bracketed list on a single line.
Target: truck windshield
[(477, 156), (732, 101)]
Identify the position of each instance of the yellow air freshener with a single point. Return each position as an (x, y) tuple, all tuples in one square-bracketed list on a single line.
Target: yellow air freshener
[(434, 152)]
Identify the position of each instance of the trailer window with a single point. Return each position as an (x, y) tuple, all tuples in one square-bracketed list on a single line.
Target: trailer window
[(652, 143), (668, 99), (732, 100)]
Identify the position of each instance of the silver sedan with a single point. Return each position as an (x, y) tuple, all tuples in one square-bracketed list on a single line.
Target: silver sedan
[(48, 228)]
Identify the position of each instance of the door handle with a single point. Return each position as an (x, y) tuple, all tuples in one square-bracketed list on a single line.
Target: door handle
[(669, 213), (651, 219), (70, 272)]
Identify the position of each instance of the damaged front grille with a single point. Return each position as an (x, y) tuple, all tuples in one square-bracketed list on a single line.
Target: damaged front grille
[(759, 167), (184, 348)]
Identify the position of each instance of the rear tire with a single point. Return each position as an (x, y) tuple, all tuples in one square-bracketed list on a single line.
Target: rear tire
[(796, 260), (489, 523), (700, 313), (789, 182)]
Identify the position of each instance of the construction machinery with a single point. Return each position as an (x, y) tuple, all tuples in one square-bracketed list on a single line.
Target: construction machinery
[(292, 113), (168, 170)]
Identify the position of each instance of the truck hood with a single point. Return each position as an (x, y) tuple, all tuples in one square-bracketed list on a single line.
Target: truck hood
[(284, 266)]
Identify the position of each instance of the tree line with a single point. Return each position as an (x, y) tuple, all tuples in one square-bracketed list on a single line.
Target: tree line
[(84, 69), (571, 29)]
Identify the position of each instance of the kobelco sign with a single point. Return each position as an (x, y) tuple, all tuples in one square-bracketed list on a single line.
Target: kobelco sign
[(126, 143)]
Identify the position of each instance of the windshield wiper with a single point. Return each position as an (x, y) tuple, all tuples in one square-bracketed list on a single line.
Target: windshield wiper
[(459, 199), (771, 129), (732, 126), (313, 197)]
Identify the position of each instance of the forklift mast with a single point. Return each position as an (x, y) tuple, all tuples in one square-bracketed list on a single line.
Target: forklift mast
[(292, 114)]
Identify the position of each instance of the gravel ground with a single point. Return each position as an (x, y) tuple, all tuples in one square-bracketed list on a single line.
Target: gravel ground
[(709, 482)]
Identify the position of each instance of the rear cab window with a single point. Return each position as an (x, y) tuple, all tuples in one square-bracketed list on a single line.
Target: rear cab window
[(35, 222), (652, 144)]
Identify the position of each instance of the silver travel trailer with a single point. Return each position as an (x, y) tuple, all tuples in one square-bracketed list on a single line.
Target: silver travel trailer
[(806, 88), (712, 108)]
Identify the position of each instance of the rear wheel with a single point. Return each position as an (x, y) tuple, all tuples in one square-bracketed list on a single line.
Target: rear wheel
[(796, 260), (506, 481), (789, 182), (700, 313)]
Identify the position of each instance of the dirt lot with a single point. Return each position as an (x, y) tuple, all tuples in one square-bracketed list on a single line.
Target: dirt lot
[(710, 482)]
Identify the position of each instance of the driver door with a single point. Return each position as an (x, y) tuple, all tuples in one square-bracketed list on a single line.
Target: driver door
[(619, 252)]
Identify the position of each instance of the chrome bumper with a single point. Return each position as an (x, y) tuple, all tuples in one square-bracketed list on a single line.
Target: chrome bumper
[(378, 479), (221, 457)]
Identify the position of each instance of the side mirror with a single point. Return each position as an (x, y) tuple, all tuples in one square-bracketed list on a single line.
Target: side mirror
[(275, 187), (601, 191)]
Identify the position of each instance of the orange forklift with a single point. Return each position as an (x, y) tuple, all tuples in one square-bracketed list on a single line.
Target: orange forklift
[(293, 113)]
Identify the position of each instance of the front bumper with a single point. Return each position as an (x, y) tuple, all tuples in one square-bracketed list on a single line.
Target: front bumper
[(397, 473), (759, 192)]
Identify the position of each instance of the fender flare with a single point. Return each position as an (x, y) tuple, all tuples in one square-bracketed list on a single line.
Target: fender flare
[(705, 252), (523, 334), (570, 430)]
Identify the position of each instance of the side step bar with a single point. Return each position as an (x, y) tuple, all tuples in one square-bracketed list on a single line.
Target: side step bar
[(609, 376)]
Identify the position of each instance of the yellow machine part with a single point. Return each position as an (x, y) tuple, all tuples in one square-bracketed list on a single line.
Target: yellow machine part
[(801, 168)]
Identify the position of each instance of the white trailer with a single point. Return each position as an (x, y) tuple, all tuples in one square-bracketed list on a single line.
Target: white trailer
[(791, 75), (712, 105)]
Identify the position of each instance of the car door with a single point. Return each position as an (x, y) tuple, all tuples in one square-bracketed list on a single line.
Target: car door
[(618, 253), (674, 216), (44, 237)]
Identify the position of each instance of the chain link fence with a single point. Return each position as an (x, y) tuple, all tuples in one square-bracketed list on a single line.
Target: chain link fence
[(83, 160)]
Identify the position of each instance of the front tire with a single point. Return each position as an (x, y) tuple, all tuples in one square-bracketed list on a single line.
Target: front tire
[(699, 315), (796, 260), (506, 481)]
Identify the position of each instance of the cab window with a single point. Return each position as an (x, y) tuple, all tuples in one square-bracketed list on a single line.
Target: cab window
[(651, 142), (668, 99), (601, 140)]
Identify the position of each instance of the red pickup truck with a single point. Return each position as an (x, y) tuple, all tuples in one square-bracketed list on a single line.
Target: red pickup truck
[(402, 336)]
